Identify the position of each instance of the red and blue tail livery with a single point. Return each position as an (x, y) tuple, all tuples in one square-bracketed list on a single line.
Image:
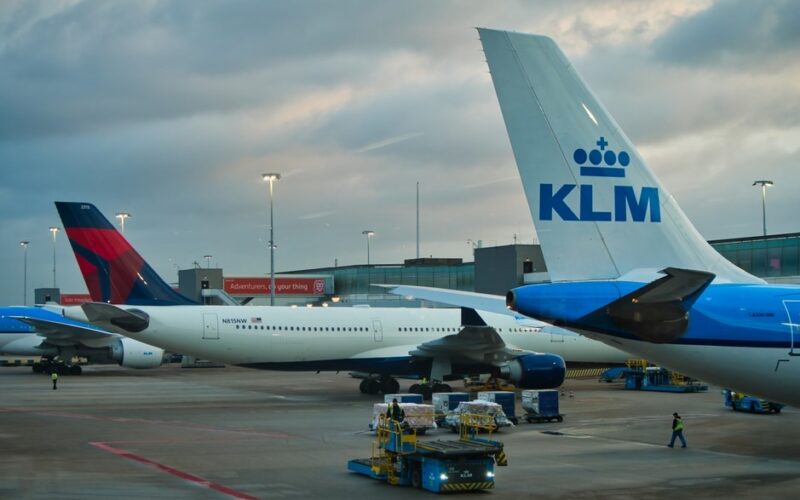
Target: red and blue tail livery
[(114, 272)]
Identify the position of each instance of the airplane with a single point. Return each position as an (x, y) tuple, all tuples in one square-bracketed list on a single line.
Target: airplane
[(436, 344), (626, 265), (37, 331)]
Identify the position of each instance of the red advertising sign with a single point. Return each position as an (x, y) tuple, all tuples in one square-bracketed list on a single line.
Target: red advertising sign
[(74, 299), (283, 286)]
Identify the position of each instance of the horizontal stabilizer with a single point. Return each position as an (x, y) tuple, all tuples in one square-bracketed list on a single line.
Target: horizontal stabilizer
[(53, 329), (129, 320), (659, 311), (482, 301)]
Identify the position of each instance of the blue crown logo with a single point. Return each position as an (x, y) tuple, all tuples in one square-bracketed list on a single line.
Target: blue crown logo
[(597, 156)]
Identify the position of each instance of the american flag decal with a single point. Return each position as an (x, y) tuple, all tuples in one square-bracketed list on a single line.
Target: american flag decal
[(255, 320)]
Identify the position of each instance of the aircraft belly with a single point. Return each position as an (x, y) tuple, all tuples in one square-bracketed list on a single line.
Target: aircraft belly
[(765, 372)]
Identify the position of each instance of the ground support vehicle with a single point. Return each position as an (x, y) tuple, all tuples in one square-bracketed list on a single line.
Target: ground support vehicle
[(642, 377), (541, 406), (742, 402), (400, 459)]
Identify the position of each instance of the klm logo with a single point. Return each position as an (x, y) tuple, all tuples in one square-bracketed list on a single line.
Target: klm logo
[(628, 204)]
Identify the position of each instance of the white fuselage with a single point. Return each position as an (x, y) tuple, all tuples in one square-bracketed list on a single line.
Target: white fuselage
[(288, 336), (769, 373)]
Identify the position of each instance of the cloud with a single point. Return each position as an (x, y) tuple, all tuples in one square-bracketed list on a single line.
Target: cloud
[(172, 110), (734, 33)]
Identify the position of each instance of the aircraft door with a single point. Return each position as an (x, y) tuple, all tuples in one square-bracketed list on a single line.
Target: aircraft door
[(793, 312), (377, 330), (210, 327), (554, 337)]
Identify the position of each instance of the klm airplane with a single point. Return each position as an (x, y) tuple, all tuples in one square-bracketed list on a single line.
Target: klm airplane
[(626, 265)]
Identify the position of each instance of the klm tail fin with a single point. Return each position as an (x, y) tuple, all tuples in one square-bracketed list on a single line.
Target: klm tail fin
[(114, 272), (598, 209)]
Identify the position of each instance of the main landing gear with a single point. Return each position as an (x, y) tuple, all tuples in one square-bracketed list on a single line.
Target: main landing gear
[(427, 389), (383, 385), (49, 366)]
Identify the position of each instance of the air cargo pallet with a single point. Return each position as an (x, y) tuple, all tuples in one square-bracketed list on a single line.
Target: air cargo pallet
[(400, 459)]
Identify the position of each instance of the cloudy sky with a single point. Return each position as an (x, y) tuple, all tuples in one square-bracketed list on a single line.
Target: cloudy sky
[(172, 110)]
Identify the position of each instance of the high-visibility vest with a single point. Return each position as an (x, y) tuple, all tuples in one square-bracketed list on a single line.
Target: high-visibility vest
[(679, 425), (54, 376)]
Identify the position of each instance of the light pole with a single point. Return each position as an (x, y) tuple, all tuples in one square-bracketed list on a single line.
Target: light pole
[(54, 230), (208, 260), (122, 216), (369, 234), (271, 178), (24, 244), (764, 185)]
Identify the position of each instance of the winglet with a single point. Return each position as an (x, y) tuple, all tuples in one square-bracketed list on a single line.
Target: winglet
[(129, 320), (470, 317)]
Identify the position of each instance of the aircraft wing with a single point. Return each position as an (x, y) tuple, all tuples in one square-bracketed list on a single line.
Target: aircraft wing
[(480, 301), (65, 332), (477, 342)]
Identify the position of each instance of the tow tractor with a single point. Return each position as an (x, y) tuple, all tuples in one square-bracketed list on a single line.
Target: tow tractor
[(743, 402), (400, 459)]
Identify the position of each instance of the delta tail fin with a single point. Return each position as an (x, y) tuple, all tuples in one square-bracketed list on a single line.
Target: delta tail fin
[(599, 211), (114, 272)]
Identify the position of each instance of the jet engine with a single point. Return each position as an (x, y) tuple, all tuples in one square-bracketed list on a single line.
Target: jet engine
[(134, 354), (535, 371)]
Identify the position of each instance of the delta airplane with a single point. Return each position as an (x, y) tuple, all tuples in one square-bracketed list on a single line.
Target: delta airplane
[(626, 265), (439, 344), (36, 331)]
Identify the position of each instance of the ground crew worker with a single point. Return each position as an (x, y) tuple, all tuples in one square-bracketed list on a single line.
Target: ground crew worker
[(677, 430), (54, 378), (394, 412)]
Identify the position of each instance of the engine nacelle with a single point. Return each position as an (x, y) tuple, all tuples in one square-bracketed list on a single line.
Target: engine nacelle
[(134, 354), (535, 371)]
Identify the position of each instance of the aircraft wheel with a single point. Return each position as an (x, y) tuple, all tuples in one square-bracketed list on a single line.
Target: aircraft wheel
[(416, 478), (442, 388), (373, 386), (426, 392), (75, 370), (414, 389), (62, 369), (390, 385), (363, 386)]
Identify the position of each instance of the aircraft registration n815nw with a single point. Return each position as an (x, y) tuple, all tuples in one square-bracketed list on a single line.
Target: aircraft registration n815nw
[(626, 265), (438, 344)]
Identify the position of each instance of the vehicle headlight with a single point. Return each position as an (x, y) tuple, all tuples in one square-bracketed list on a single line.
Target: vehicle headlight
[(489, 474), (443, 476)]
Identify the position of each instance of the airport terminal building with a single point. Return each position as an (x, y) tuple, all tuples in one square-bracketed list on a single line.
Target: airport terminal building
[(495, 270)]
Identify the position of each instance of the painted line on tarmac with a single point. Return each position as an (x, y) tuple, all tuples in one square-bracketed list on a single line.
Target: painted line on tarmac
[(175, 472)]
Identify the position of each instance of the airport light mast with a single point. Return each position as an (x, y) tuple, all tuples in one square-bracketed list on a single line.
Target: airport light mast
[(271, 178), (369, 234), (122, 216), (24, 244), (208, 260), (54, 230), (764, 185)]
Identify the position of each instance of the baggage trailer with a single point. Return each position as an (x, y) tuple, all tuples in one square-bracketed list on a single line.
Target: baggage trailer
[(400, 459), (541, 406)]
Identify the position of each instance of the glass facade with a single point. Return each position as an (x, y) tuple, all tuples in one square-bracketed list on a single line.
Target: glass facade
[(354, 281), (766, 257)]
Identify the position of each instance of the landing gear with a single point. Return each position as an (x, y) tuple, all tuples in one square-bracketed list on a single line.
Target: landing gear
[(384, 385), (48, 366), (426, 390)]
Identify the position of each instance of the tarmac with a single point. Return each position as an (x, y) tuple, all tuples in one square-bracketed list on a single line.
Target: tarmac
[(235, 433)]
